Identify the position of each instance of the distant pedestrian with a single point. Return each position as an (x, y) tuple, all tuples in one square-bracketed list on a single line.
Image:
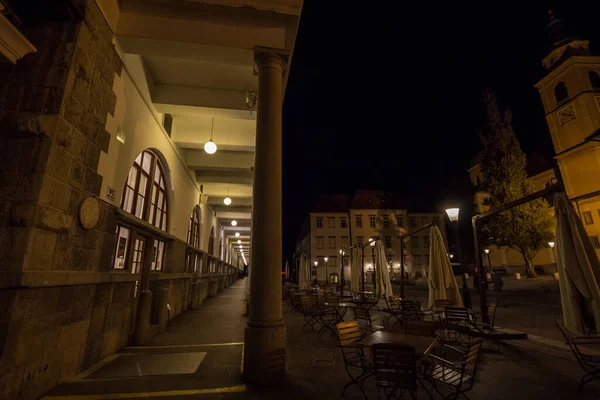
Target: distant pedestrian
[(498, 282)]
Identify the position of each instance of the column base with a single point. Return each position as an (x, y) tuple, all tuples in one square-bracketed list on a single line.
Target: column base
[(264, 353)]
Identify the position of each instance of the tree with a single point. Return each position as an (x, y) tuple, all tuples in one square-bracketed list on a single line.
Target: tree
[(526, 228)]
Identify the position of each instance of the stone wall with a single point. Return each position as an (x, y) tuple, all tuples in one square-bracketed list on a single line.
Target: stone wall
[(55, 317)]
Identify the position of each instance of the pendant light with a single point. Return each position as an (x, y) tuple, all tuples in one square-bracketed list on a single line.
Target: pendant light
[(227, 200), (210, 147)]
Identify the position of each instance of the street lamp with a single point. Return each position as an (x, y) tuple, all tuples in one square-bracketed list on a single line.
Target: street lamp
[(342, 281), (487, 251), (466, 294), (551, 244), (316, 263), (326, 274)]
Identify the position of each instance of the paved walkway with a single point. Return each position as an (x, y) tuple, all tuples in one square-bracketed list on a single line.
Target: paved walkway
[(200, 358)]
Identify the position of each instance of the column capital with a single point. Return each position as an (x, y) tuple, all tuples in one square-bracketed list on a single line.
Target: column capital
[(266, 57)]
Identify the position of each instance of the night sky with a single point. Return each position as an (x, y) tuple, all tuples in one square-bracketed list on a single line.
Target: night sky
[(391, 98)]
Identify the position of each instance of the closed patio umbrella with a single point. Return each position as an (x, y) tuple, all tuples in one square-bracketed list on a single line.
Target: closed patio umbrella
[(287, 270), (442, 283), (355, 271), (304, 275), (383, 286), (578, 267)]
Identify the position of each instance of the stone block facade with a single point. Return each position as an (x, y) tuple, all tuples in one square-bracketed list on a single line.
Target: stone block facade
[(62, 306)]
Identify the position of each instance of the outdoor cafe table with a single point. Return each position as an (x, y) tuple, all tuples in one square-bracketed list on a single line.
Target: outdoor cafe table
[(340, 308), (420, 343)]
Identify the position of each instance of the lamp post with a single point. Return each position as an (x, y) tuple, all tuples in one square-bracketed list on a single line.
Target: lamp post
[(551, 244), (466, 294), (487, 251), (316, 263), (326, 274), (342, 281)]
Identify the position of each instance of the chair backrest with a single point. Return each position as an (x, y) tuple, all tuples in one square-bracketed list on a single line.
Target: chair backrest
[(329, 298), (308, 300), (441, 303), (362, 314), (469, 361), (395, 366), (456, 314), (348, 332)]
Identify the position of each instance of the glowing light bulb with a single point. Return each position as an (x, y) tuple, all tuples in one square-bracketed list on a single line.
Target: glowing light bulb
[(237, 234), (227, 201), (233, 223), (210, 147), (239, 241)]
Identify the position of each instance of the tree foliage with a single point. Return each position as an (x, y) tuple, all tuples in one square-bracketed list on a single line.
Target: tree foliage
[(526, 228)]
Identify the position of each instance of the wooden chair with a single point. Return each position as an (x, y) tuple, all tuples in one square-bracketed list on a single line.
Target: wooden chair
[(456, 325), (589, 363), (311, 311), (441, 303), (365, 323), (357, 366), (452, 379), (411, 310), (395, 369)]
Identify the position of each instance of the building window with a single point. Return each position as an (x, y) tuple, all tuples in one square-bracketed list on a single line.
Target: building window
[(595, 242), (436, 221), (594, 80), (414, 242), (587, 217), (346, 261), (193, 236), (123, 235), (320, 261), (426, 241), (138, 256), (319, 222), (359, 240), (389, 260), (145, 169), (345, 242), (386, 221), (320, 242), (158, 255), (343, 222), (561, 93), (332, 242), (372, 221), (331, 222), (424, 221), (211, 242), (412, 221), (388, 242), (359, 221), (399, 220), (416, 260), (334, 278), (332, 261)]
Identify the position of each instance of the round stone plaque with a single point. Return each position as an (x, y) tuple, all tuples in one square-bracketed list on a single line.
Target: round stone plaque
[(89, 212)]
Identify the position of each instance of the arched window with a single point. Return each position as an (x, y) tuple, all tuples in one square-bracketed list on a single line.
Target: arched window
[(334, 278), (211, 241), (560, 92), (193, 236), (594, 79), (146, 181)]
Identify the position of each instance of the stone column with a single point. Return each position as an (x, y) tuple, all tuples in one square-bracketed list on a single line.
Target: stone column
[(264, 350)]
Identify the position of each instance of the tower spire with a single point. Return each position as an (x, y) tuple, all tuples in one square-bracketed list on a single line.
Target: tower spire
[(559, 34)]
